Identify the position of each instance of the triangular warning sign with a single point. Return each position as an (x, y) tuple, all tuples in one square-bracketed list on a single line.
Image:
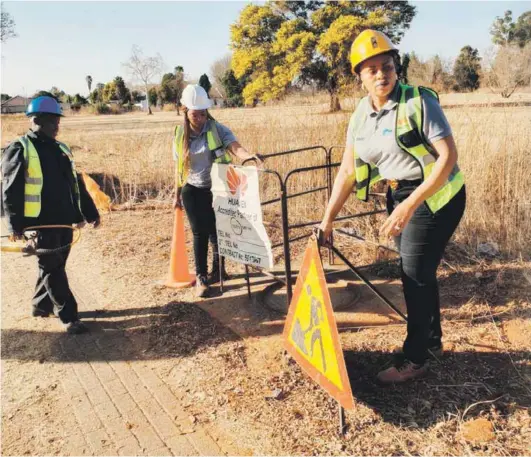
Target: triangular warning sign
[(310, 332)]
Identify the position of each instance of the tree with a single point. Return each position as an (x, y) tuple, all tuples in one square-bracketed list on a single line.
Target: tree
[(405, 68), (152, 96), (204, 82), (7, 26), (283, 43), (522, 29), (88, 78), (144, 68), (5, 97), (505, 32), (466, 69), (218, 71), (97, 94), (136, 96), (121, 91), (502, 29), (508, 68), (45, 93), (180, 84), (233, 88), (167, 92)]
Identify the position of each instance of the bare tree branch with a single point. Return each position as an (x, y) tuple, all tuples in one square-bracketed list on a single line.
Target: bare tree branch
[(144, 68)]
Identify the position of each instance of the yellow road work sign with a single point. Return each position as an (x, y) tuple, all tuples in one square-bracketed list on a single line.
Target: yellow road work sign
[(310, 332)]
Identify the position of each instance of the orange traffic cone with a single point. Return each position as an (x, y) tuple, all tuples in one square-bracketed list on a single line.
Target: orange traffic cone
[(179, 276)]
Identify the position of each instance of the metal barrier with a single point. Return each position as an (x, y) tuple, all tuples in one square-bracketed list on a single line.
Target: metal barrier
[(327, 167)]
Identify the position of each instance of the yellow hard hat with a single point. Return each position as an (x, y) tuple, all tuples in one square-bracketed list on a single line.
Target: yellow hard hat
[(367, 44)]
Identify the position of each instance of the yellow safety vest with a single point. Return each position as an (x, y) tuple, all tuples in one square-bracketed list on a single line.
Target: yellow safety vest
[(34, 178), (410, 137), (215, 145)]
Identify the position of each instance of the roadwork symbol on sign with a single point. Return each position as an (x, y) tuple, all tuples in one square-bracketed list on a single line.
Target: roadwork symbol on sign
[(310, 332)]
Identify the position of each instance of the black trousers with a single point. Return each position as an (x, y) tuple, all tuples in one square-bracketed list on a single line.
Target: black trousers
[(421, 245), (198, 205), (52, 292)]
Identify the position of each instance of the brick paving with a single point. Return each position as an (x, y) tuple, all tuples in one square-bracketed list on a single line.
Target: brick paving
[(122, 407)]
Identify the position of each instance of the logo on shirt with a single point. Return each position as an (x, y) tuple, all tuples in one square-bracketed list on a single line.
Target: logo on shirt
[(387, 132)]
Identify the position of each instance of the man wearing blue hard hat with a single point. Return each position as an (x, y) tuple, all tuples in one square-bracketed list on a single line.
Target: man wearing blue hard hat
[(40, 186)]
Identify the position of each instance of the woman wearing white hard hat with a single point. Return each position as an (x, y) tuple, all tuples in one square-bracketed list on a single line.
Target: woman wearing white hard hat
[(197, 144)]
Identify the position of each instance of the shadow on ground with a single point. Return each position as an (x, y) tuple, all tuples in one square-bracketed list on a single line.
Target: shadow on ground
[(456, 382)]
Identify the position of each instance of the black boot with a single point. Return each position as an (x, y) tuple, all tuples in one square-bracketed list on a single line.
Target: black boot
[(213, 277)]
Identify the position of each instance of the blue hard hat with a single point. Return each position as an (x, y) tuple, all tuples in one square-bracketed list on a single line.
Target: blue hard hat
[(44, 104)]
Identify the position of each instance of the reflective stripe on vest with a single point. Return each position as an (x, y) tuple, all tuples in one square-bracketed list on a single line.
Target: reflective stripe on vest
[(215, 145), (34, 178), (409, 134)]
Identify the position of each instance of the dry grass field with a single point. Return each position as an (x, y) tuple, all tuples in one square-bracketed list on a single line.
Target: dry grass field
[(475, 402), (131, 154)]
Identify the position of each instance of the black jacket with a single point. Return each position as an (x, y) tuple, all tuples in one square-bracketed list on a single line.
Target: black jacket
[(58, 202)]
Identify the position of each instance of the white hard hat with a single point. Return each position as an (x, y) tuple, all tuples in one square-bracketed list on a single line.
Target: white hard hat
[(195, 97)]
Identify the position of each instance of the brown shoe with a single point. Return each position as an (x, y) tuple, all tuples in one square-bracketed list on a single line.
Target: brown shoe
[(402, 372), (201, 287), (437, 351)]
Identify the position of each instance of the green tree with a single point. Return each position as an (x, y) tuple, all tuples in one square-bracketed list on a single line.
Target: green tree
[(97, 94), (5, 97), (466, 69), (136, 96), (281, 43), (502, 29), (88, 79), (167, 92), (180, 84), (45, 93), (121, 91), (233, 88), (522, 29), (152, 96), (505, 31), (204, 82), (405, 68), (7, 26), (79, 100)]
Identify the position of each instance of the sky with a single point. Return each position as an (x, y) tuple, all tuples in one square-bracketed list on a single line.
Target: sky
[(61, 42)]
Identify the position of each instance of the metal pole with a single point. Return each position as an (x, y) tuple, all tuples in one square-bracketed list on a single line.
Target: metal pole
[(221, 259), (328, 197), (342, 427), (285, 235), (369, 285), (247, 279)]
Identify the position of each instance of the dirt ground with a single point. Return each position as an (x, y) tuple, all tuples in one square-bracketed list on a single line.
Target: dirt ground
[(223, 361)]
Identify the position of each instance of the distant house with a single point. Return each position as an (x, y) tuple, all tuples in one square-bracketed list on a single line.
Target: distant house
[(15, 104)]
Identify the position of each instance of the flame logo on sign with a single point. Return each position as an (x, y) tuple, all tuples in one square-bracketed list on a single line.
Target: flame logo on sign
[(237, 181)]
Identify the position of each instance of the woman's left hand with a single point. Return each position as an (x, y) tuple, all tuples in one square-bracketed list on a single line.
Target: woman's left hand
[(398, 219)]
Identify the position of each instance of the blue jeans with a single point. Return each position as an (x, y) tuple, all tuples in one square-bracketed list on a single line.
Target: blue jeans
[(421, 245)]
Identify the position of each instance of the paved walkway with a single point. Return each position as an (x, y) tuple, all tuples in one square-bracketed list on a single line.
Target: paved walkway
[(121, 405)]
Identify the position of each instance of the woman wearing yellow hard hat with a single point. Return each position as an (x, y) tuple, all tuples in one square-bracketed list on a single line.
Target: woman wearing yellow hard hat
[(197, 144), (400, 133)]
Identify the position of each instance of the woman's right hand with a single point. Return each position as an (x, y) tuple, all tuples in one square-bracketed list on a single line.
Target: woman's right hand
[(325, 231), (177, 201)]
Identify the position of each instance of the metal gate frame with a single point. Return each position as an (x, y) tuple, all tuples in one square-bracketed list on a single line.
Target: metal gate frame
[(288, 279)]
